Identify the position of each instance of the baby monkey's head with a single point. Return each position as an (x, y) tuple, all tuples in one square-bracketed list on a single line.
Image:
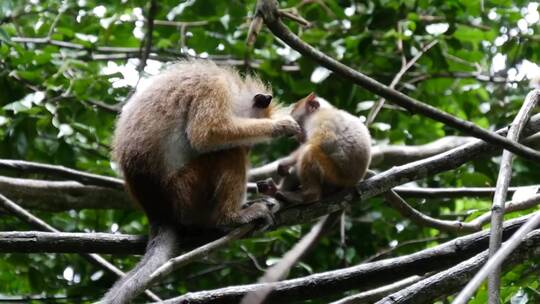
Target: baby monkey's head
[(306, 107)]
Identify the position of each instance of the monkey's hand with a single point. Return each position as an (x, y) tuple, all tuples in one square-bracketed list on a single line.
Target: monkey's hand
[(284, 169), (267, 187), (286, 127)]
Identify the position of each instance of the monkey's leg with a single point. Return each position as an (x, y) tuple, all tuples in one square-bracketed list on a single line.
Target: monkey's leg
[(311, 177), (230, 197), (285, 165)]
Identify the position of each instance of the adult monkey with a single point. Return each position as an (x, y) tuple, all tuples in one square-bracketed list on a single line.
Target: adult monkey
[(182, 144)]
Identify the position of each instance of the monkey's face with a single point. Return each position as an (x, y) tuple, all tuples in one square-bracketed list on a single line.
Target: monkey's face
[(262, 105), (262, 101)]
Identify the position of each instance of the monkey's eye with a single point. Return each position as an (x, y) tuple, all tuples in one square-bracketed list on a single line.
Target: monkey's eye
[(261, 101)]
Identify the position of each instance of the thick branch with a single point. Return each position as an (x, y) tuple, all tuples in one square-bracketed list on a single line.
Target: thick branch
[(27, 167), (269, 11), (497, 259), (364, 276), (451, 280), (34, 221), (131, 244), (61, 242), (61, 196), (394, 155)]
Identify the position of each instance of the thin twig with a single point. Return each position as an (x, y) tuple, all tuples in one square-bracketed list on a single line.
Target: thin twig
[(27, 217), (373, 295), (497, 259), (180, 23), (404, 68), (186, 258), (445, 193), (148, 37), (503, 181), (61, 11), (421, 219), (294, 17), (280, 269), (269, 11), (254, 29), (389, 250), (510, 206)]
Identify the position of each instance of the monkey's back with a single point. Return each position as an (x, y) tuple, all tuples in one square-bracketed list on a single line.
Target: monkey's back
[(343, 144), (152, 148)]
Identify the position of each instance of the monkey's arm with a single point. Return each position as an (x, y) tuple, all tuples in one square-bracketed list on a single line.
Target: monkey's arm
[(285, 164), (233, 132)]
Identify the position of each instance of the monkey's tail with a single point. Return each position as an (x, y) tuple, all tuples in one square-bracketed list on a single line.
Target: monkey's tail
[(162, 246)]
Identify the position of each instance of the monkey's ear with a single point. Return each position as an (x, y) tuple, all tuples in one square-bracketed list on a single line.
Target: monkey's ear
[(261, 101), (312, 105), (311, 96)]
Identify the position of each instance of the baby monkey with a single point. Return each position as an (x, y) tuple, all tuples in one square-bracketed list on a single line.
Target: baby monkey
[(335, 153)]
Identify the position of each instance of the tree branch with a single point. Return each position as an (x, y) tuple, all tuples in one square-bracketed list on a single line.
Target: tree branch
[(62, 195), (145, 52), (452, 279), (503, 181), (427, 192), (371, 296), (61, 242), (186, 258), (26, 167), (423, 220), (497, 259), (364, 276), (269, 11), (279, 270), (34, 221), (405, 66)]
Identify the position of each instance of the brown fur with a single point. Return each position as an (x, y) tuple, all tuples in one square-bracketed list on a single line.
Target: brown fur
[(199, 100), (182, 144), (336, 152)]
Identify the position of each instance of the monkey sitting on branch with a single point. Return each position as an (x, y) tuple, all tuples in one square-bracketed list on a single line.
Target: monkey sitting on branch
[(182, 144), (335, 153)]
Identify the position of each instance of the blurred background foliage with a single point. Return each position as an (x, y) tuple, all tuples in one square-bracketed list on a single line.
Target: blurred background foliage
[(66, 65)]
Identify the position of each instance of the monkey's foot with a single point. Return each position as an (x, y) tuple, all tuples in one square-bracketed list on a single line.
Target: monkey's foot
[(270, 203), (260, 213)]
